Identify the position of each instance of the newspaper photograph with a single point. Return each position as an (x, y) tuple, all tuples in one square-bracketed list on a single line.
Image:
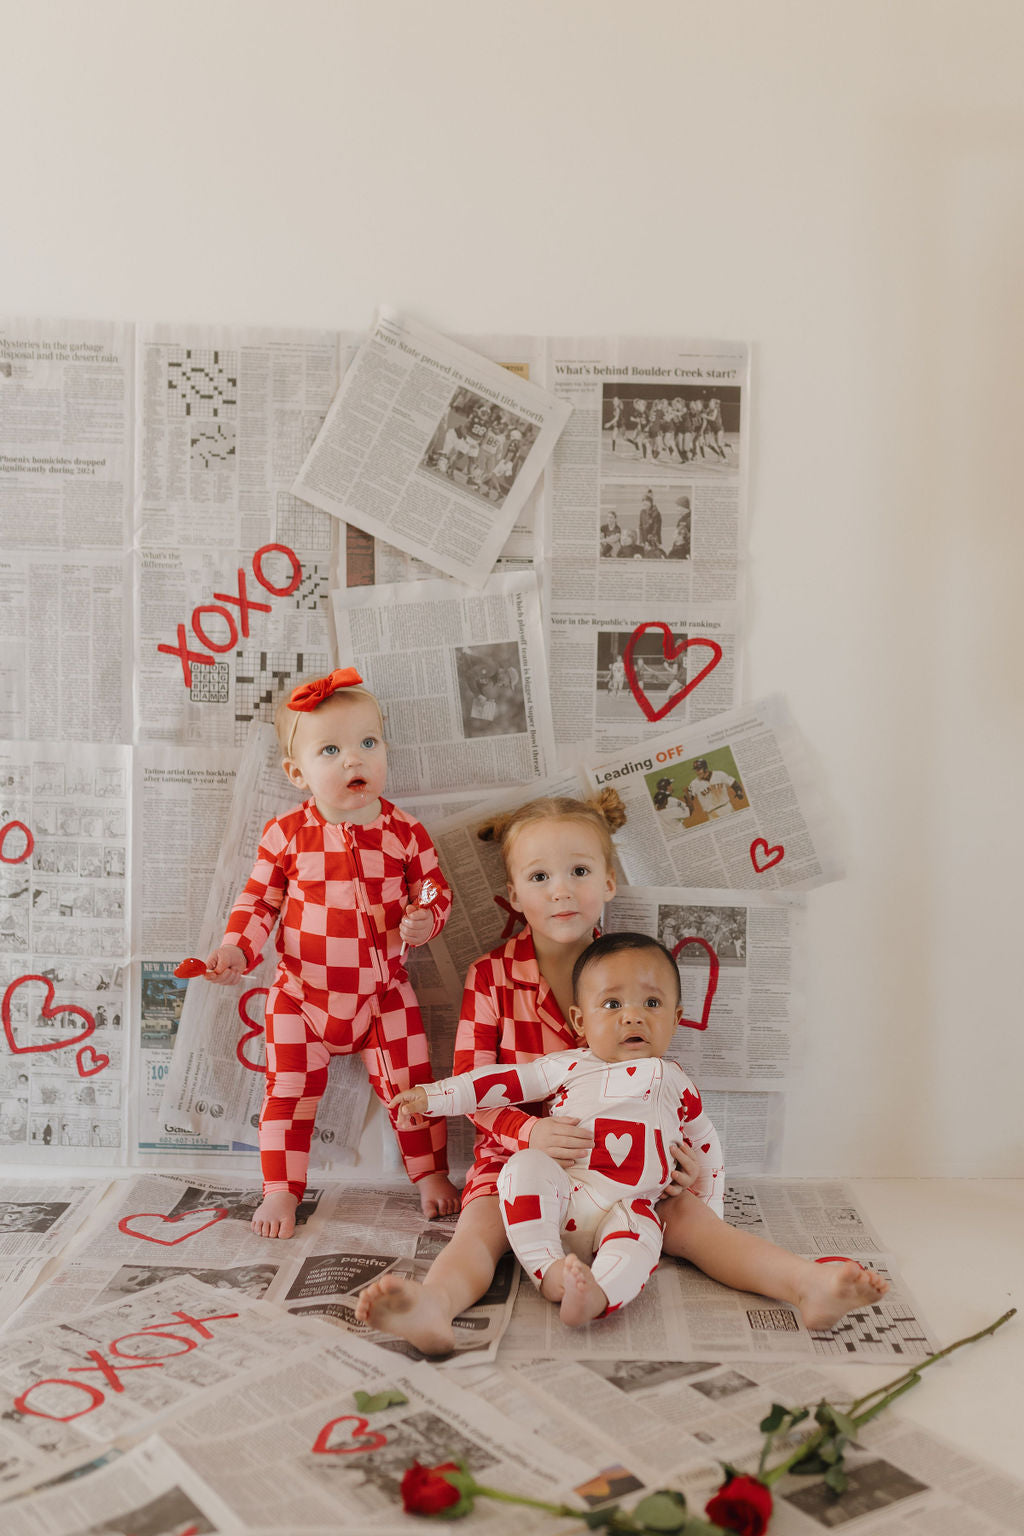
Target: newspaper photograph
[(65, 520), (462, 676), (617, 676), (737, 961), (64, 927), (733, 803), (431, 447), (648, 481), (214, 1084)]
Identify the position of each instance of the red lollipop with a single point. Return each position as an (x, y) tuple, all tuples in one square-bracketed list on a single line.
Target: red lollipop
[(191, 967)]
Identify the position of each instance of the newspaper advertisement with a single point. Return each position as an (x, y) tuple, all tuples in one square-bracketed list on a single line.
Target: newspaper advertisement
[(684, 1313), (462, 676), (732, 803), (64, 926), (621, 679), (65, 521), (736, 962), (431, 447), (233, 569), (215, 1082), (368, 561), (673, 1423), (335, 1459), (114, 1373), (148, 1490)]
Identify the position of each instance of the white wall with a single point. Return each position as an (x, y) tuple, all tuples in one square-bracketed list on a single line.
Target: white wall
[(840, 184)]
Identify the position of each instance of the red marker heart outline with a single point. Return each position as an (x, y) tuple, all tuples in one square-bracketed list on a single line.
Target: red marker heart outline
[(669, 651), (714, 967), (773, 856), (45, 1012), (361, 1440), (30, 842), (100, 1060), (255, 1029), (215, 1212)]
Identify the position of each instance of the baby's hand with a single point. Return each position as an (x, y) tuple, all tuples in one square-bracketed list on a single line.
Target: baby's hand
[(416, 926), (562, 1138), (225, 966), (411, 1103), (686, 1170)]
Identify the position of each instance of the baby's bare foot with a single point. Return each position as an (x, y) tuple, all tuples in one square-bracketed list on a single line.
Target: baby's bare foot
[(834, 1288), (407, 1309), (438, 1196), (584, 1299), (276, 1216)]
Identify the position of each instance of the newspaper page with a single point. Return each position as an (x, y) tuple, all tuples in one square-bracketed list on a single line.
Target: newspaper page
[(462, 676), (750, 1126), (233, 569), (215, 1082), (674, 1423), (618, 675), (114, 1373), (64, 941), (370, 562), (335, 1461), (65, 529), (732, 803), (431, 447), (737, 961)]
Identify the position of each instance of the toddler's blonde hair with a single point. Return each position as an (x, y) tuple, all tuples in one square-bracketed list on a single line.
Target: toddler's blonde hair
[(286, 720), (604, 812)]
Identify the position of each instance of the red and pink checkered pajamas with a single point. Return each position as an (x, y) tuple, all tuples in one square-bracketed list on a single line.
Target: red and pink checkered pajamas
[(603, 1206), (337, 893)]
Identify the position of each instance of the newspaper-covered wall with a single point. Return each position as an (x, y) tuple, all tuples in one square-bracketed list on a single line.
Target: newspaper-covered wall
[(431, 447)]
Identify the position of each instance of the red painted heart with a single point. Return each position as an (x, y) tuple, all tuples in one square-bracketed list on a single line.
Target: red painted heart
[(350, 1441), (89, 1053), (26, 846), (772, 856), (670, 650), (45, 1012), (215, 1213), (255, 1029), (630, 1071), (712, 987)]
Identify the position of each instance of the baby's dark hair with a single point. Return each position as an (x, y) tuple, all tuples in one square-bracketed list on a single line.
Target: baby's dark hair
[(615, 944)]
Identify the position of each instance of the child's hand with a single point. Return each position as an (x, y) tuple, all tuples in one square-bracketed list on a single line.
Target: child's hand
[(416, 926), (225, 966), (686, 1170), (562, 1138), (411, 1103)]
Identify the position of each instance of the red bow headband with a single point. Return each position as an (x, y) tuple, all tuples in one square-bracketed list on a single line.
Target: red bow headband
[(311, 695)]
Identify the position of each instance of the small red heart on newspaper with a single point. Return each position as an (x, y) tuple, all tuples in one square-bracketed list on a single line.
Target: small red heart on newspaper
[(772, 856), (97, 1058), (350, 1440), (45, 1012), (670, 650), (254, 1031), (712, 987), (189, 1219), (191, 967), (24, 845)]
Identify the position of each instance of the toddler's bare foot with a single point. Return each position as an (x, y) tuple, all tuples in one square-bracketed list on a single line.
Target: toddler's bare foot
[(276, 1216), (584, 1299), (408, 1309), (438, 1196), (835, 1288)]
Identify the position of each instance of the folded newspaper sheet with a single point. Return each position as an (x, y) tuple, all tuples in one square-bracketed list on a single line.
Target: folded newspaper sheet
[(462, 676), (730, 803), (431, 447)]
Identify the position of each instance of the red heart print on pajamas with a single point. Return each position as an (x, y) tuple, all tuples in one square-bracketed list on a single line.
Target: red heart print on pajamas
[(712, 987), (45, 1012), (669, 650)]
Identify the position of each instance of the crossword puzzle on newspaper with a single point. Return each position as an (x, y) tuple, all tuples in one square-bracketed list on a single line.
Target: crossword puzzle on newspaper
[(262, 676), (202, 382)]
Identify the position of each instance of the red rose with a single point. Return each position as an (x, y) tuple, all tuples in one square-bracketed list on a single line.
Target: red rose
[(425, 1491), (742, 1504)]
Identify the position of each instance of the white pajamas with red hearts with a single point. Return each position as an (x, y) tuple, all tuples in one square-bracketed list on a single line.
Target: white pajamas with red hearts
[(602, 1207)]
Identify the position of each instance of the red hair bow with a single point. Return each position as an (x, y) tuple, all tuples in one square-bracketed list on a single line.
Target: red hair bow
[(312, 695)]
